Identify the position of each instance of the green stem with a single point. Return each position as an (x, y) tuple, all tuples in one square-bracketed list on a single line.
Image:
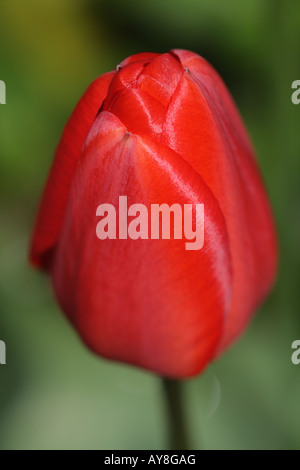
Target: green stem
[(177, 422)]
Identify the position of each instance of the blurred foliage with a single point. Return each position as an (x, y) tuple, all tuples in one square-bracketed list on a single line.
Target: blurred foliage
[(53, 393)]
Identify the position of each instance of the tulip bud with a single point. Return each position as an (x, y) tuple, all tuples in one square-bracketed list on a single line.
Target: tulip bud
[(160, 129)]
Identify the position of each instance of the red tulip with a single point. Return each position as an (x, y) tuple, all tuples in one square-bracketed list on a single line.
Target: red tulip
[(162, 128)]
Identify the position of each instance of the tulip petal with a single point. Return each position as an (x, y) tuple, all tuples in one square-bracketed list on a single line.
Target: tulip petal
[(120, 293), (140, 57), (126, 78), (204, 127), (68, 153), (160, 78), (139, 112)]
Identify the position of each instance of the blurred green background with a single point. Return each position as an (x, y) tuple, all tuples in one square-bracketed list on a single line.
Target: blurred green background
[(54, 394)]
